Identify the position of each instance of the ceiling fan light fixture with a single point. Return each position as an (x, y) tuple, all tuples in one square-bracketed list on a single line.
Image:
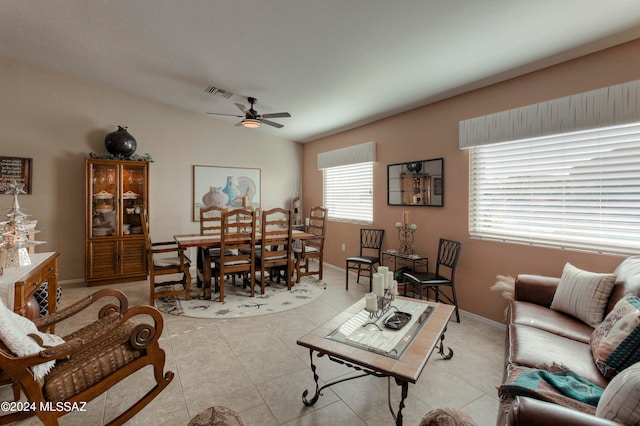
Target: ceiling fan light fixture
[(251, 123)]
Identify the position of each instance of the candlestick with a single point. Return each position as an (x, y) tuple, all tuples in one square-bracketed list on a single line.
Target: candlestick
[(378, 284), (371, 302), (383, 270)]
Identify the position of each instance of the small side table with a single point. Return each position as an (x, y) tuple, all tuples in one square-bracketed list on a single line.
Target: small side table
[(397, 261)]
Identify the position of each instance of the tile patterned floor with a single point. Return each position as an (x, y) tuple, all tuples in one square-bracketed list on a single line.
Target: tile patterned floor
[(254, 367)]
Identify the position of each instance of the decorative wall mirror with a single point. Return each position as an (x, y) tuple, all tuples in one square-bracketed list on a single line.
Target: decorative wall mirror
[(416, 183)]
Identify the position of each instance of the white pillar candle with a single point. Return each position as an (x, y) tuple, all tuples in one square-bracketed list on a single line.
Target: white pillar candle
[(378, 284), (384, 270), (389, 279), (371, 302), (394, 287)]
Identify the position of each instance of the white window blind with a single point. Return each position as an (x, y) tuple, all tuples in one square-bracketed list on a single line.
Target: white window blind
[(347, 192), (578, 190)]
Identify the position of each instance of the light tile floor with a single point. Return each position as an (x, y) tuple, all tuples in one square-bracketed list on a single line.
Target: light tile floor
[(254, 367)]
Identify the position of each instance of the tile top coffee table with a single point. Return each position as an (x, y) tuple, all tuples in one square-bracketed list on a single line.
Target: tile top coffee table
[(365, 344)]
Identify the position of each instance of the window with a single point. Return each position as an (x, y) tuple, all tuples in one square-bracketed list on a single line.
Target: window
[(347, 191), (577, 190)]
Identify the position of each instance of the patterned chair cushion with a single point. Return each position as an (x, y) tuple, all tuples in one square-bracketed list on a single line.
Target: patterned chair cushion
[(583, 294), (88, 367), (615, 343), (619, 401)]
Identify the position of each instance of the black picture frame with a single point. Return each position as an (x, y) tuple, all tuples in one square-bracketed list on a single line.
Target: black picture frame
[(15, 169)]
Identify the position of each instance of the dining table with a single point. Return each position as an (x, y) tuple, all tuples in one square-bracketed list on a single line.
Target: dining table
[(186, 241)]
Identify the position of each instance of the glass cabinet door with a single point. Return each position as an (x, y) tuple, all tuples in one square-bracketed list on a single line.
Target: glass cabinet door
[(104, 185), (133, 202)]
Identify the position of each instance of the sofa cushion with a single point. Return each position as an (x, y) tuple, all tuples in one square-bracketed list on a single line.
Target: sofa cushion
[(583, 294), (615, 343), (532, 347), (619, 401), (555, 322)]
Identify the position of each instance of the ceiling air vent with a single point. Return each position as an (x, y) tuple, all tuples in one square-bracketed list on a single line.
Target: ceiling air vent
[(218, 92)]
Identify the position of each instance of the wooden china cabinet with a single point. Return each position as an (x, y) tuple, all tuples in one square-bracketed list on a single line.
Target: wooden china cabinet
[(115, 193)]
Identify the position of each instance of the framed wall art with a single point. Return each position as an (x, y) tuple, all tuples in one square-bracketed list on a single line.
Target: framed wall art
[(225, 187), (15, 169)]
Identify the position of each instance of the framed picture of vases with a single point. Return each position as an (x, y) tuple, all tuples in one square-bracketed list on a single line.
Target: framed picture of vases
[(230, 187)]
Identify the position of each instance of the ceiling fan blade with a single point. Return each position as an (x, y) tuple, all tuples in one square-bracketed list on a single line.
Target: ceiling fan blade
[(271, 123), (242, 108), (239, 123), (228, 115), (276, 115)]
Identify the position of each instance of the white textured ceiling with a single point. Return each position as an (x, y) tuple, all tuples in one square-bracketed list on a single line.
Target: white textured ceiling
[(333, 64)]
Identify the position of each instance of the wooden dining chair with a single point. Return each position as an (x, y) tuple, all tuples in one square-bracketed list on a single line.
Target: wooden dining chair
[(237, 248), (275, 252), (312, 248), (210, 223), (164, 259)]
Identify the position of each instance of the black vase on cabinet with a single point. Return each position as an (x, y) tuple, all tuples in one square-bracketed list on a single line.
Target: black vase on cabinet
[(120, 142)]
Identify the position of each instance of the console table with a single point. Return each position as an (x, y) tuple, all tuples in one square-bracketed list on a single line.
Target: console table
[(396, 261), (18, 284)]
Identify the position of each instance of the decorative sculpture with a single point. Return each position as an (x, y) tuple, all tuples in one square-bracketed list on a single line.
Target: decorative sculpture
[(15, 231)]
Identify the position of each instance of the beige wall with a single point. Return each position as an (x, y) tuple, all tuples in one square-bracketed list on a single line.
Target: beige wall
[(431, 132), (58, 121)]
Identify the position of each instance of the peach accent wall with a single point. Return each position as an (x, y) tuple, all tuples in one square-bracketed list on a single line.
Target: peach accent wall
[(432, 132)]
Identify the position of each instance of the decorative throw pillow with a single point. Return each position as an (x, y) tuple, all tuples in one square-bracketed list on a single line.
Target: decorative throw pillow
[(615, 343), (583, 294), (629, 270), (619, 401)]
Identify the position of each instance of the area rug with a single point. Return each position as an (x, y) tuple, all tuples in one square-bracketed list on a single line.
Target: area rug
[(238, 303), (216, 416)]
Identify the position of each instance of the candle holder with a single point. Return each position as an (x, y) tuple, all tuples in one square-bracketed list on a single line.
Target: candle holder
[(406, 235), (384, 304)]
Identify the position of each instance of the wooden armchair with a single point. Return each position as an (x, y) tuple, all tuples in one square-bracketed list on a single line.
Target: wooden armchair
[(161, 264), (91, 360)]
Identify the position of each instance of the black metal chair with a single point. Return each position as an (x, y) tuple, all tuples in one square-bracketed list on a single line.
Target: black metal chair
[(448, 254), (370, 252)]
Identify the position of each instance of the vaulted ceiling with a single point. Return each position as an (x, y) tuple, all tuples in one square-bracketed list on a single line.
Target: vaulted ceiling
[(332, 64)]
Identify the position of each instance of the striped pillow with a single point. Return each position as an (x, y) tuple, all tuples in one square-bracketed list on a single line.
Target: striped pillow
[(615, 343), (620, 399), (583, 294)]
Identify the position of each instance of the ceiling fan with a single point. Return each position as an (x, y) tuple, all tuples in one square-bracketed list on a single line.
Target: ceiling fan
[(252, 119)]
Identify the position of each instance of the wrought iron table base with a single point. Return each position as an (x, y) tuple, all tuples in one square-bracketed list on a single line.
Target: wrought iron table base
[(404, 385)]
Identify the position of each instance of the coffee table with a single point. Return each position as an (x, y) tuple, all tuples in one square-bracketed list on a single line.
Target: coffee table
[(345, 341)]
